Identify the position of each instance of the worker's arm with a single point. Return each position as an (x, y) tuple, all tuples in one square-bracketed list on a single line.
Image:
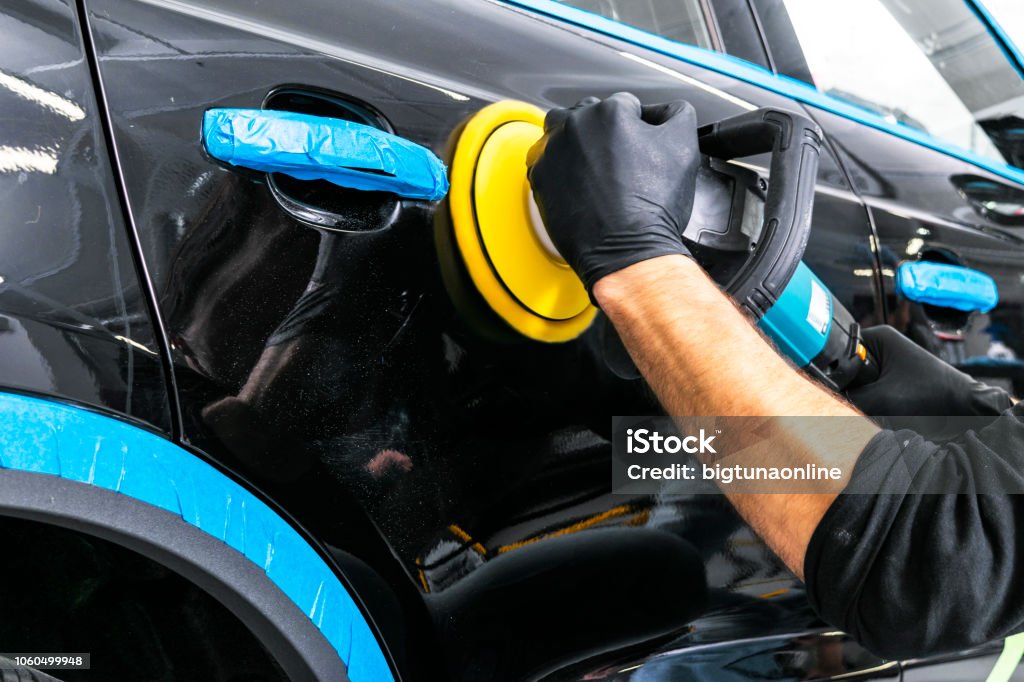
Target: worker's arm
[(702, 356), (615, 183), (924, 552), (907, 573)]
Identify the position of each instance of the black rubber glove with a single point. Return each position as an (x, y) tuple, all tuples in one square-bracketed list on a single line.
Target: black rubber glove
[(615, 181), (913, 382)]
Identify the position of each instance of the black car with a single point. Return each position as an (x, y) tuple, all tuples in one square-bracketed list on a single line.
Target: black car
[(247, 433)]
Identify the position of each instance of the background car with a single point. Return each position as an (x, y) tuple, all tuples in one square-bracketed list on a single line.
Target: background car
[(239, 447)]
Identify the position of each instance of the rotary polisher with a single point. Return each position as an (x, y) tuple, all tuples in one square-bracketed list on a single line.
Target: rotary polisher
[(507, 278)]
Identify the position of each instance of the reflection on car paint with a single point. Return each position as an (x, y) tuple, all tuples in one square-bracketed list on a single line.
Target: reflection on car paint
[(75, 320), (334, 370)]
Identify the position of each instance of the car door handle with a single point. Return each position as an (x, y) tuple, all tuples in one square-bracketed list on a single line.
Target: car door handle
[(947, 286), (315, 148)]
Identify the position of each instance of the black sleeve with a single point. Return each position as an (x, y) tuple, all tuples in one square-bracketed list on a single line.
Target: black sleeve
[(909, 572)]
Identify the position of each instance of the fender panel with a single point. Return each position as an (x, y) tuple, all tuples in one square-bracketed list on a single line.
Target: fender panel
[(83, 470)]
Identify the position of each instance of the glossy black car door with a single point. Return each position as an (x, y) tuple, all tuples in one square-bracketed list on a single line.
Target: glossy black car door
[(333, 369)]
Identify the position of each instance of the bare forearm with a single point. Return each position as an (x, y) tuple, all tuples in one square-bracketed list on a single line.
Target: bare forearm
[(698, 351), (702, 356)]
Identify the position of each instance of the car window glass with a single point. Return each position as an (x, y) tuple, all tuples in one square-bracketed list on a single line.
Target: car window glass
[(928, 64), (678, 20)]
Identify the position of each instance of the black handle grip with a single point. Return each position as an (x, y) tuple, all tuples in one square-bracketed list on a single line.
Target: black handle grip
[(867, 372), (795, 144)]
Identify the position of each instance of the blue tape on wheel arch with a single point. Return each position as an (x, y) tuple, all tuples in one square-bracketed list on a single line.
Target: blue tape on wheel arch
[(947, 286), (44, 437), (309, 147)]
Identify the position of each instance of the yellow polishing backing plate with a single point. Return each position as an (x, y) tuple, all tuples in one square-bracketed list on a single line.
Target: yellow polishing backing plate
[(531, 289)]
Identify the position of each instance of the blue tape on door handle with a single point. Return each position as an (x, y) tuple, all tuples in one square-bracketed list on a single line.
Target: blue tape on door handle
[(308, 147), (46, 437), (948, 286)]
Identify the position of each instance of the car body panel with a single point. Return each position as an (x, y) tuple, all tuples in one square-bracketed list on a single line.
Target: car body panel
[(919, 211), (335, 371), (76, 327), (384, 377), (75, 321), (102, 468)]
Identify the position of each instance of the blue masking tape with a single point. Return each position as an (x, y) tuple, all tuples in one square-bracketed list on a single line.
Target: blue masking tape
[(1011, 49), (948, 286), (55, 439), (316, 148)]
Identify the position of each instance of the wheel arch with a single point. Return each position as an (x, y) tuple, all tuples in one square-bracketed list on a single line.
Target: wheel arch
[(75, 468)]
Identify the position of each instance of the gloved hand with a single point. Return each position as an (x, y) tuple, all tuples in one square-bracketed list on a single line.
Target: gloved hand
[(913, 382), (614, 181)]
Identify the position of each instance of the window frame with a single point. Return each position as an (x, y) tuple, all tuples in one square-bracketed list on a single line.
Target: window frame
[(779, 83), (794, 64)]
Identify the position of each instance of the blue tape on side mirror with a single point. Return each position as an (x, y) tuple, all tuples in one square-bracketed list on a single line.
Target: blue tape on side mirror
[(948, 286), (316, 148)]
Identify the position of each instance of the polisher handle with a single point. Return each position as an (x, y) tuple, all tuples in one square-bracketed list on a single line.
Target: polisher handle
[(795, 143)]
